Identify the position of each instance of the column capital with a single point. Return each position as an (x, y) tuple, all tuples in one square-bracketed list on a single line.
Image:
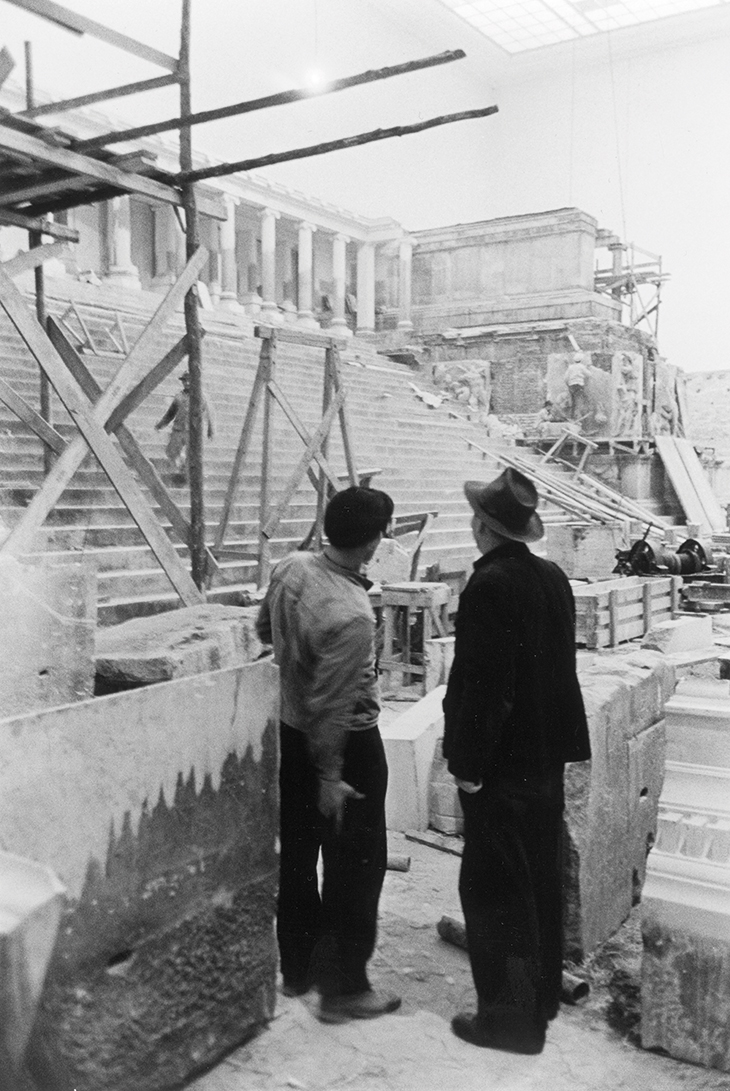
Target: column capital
[(306, 225), (342, 237), (269, 214)]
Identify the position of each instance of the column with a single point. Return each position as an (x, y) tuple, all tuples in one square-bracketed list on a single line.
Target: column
[(339, 276), (366, 288), (305, 314), (405, 252), (119, 244), (269, 309), (229, 268)]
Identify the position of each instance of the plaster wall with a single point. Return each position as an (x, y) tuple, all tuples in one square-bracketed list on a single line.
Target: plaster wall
[(158, 810)]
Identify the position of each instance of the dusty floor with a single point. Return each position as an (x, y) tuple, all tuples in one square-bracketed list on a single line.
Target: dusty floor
[(591, 1047)]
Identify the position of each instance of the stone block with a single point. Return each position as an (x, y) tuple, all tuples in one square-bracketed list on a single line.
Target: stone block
[(31, 900), (698, 730), (175, 644), (438, 655), (647, 755), (586, 552), (682, 634), (391, 563), (158, 809), (47, 624), (611, 801), (410, 743), (444, 810)]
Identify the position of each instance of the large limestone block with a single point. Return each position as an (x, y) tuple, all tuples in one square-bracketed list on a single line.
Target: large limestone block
[(585, 552), (47, 624), (158, 809), (682, 634), (410, 743), (31, 899), (176, 644), (611, 801), (698, 726)]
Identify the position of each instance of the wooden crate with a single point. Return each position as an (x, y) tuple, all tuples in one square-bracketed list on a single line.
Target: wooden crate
[(614, 611)]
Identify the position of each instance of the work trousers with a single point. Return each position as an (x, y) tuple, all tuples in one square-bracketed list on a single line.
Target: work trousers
[(511, 893), (326, 938)]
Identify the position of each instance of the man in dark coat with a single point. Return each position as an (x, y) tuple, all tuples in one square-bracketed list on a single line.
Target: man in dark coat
[(514, 716)]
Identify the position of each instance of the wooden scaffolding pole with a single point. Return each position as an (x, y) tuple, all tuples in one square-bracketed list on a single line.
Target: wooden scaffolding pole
[(192, 320)]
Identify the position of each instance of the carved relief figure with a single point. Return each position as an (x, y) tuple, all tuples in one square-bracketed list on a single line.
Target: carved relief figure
[(468, 383), (627, 376)]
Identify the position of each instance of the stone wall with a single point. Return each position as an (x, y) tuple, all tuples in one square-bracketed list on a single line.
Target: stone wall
[(158, 809)]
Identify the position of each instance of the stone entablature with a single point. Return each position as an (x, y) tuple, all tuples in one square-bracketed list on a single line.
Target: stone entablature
[(512, 269), (685, 991)]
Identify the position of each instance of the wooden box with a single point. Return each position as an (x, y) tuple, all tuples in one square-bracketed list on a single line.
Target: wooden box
[(614, 611)]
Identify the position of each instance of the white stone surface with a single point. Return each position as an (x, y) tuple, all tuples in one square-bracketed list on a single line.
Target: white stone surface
[(68, 774), (681, 634), (31, 900), (410, 742)]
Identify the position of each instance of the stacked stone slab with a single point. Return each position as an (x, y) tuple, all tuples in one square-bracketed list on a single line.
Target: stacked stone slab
[(685, 987)]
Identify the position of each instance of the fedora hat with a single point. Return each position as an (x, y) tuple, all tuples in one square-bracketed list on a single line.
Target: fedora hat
[(507, 505)]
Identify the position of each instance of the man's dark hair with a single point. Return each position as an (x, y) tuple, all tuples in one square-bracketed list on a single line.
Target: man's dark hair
[(356, 515)]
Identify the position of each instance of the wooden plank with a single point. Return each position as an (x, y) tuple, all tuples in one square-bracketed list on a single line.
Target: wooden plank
[(21, 143), (150, 382), (324, 427), (333, 355), (282, 400), (239, 459), (79, 24), (682, 482), (280, 98), (43, 226), (92, 431), (30, 259), (296, 337), (29, 416), (125, 89), (268, 355), (46, 188), (138, 360), (713, 511), (127, 442)]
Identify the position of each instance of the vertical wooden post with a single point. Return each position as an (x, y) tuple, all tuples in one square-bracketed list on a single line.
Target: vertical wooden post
[(36, 239), (267, 449), (192, 320), (322, 490)]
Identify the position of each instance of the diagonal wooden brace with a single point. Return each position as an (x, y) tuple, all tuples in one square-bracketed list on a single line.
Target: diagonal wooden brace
[(277, 393), (29, 416), (78, 407), (314, 445)]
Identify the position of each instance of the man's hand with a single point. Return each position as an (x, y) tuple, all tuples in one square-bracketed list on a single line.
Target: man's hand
[(333, 795), (468, 786)]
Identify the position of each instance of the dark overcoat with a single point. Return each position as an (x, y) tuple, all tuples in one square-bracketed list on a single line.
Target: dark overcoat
[(513, 705)]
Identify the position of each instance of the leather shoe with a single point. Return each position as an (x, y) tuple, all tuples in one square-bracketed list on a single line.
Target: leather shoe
[(363, 1005), (510, 1035)]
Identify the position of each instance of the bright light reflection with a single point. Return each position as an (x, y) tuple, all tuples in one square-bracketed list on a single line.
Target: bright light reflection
[(316, 79)]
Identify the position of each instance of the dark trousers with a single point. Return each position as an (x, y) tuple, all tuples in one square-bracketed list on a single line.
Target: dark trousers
[(327, 937), (511, 893)]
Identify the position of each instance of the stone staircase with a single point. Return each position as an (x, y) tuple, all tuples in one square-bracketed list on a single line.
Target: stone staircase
[(422, 453)]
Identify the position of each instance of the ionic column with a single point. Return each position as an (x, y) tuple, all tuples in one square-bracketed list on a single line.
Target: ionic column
[(366, 288), (269, 309), (339, 275), (119, 244), (305, 314), (229, 268), (405, 253)]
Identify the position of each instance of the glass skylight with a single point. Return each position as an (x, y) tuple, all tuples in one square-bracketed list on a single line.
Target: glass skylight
[(518, 25)]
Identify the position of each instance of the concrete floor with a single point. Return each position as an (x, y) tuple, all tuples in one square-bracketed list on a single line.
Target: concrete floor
[(414, 1049)]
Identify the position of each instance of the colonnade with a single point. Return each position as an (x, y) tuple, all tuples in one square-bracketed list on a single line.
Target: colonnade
[(257, 265)]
